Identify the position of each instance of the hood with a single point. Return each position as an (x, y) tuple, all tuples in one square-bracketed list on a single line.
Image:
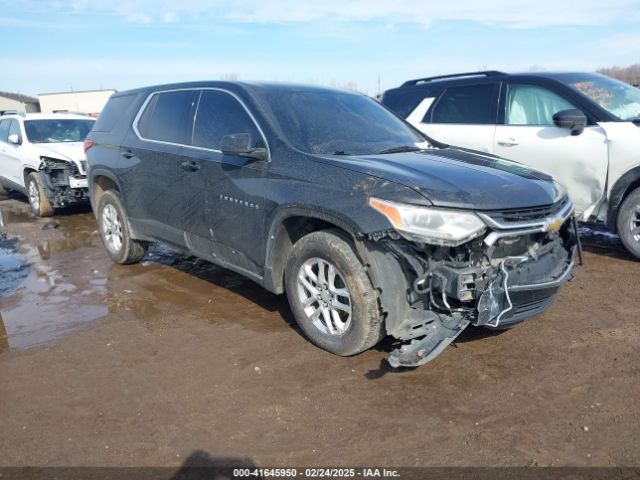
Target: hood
[(458, 178), (69, 151)]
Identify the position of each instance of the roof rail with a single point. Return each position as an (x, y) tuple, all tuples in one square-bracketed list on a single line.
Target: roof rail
[(10, 112), (485, 73)]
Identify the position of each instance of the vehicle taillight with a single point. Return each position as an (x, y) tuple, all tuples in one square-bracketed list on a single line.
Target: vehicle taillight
[(88, 144)]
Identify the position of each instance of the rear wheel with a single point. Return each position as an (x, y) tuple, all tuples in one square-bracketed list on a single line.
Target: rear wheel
[(40, 205), (114, 230), (628, 222), (331, 295)]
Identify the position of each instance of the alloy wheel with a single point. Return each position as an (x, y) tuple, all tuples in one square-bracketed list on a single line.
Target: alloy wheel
[(112, 228), (34, 195), (634, 223), (324, 296)]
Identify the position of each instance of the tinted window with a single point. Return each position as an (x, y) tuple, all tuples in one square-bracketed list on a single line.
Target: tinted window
[(57, 130), (113, 111), (475, 104), (168, 116), (532, 105), (337, 123), (4, 130), (14, 129), (404, 102), (220, 114)]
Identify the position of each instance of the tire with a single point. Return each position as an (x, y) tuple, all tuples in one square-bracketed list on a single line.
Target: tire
[(113, 226), (350, 333), (628, 222), (40, 205)]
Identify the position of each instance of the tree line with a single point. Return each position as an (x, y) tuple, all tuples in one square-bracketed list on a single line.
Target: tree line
[(630, 74)]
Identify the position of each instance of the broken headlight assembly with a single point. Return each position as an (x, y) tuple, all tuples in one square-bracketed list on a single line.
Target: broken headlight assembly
[(435, 226)]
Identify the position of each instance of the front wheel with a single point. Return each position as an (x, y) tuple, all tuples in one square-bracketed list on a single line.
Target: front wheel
[(628, 222), (114, 231), (330, 294), (40, 205)]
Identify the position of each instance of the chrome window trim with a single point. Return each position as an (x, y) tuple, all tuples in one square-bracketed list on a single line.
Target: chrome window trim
[(200, 90)]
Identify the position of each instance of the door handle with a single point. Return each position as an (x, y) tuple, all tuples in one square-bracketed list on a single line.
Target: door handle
[(128, 154), (190, 166), (507, 142)]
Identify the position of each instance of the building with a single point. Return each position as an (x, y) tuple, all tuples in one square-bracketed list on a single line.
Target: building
[(88, 101), (18, 102)]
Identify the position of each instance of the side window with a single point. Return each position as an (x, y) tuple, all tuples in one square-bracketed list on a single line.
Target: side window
[(220, 114), (168, 117), (4, 130), (532, 105), (14, 129), (473, 104), (113, 111)]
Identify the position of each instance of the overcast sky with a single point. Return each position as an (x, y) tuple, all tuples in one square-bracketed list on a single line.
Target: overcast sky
[(88, 44)]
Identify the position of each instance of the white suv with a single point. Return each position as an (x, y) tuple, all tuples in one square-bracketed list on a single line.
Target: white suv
[(41, 155), (581, 128)]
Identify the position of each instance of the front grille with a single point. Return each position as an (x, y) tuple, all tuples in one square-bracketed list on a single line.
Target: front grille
[(526, 215)]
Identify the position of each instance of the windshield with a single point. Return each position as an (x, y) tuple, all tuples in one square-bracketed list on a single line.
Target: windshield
[(618, 98), (334, 123), (56, 131)]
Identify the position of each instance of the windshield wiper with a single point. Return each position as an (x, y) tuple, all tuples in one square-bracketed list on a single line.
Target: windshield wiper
[(341, 152), (401, 149)]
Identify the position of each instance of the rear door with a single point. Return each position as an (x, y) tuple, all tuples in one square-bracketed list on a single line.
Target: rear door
[(152, 163), (529, 136), (223, 198), (462, 116)]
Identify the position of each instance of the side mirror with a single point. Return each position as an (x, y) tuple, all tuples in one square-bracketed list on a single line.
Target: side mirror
[(573, 119), (239, 145), (14, 138)]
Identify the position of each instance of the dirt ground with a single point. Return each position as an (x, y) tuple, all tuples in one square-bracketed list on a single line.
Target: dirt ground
[(102, 364)]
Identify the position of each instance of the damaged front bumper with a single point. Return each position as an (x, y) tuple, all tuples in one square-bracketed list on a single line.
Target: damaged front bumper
[(496, 281), (63, 182)]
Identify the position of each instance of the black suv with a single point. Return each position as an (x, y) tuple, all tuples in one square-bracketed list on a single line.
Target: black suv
[(328, 196)]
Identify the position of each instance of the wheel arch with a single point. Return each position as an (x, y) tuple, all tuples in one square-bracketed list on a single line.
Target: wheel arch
[(626, 184), (25, 174), (100, 182), (287, 228)]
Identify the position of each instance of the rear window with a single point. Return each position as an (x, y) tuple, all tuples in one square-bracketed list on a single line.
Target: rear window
[(113, 111), (404, 102), (473, 104), (168, 117)]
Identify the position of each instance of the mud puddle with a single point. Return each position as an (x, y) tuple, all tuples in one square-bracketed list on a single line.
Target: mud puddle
[(55, 277)]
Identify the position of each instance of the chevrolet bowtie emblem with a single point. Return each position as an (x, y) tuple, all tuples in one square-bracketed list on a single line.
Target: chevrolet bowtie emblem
[(554, 226)]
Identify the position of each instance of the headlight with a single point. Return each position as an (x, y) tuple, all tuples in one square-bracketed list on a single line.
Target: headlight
[(435, 226)]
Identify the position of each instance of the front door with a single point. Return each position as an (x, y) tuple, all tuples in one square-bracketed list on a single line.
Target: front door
[(529, 136), (223, 198), (11, 166)]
